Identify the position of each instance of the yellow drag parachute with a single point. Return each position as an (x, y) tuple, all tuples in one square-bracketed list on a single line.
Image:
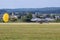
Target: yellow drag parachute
[(6, 17)]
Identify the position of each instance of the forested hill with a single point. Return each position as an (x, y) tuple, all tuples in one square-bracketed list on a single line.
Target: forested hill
[(41, 10)]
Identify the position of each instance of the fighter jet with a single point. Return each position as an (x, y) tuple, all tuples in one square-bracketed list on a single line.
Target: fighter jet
[(42, 20)]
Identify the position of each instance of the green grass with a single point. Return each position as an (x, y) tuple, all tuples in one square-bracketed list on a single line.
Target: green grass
[(30, 32)]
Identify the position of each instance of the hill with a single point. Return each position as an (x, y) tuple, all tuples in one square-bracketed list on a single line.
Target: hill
[(41, 10)]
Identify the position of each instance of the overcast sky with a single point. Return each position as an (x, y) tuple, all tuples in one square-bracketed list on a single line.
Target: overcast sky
[(29, 3)]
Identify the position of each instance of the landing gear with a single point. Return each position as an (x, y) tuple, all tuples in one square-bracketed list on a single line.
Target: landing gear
[(41, 22)]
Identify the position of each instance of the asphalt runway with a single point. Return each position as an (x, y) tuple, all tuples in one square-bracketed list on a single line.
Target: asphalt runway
[(27, 23)]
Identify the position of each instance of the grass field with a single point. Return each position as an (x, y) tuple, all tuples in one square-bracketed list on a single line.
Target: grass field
[(29, 31)]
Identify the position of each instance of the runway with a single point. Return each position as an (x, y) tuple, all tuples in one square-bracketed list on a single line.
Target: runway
[(27, 23)]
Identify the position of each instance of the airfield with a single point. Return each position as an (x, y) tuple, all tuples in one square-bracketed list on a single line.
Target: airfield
[(29, 31)]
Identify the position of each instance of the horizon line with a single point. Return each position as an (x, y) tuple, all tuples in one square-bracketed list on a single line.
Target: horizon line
[(31, 7)]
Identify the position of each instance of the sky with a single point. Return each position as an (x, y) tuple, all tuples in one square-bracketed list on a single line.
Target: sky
[(29, 3)]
